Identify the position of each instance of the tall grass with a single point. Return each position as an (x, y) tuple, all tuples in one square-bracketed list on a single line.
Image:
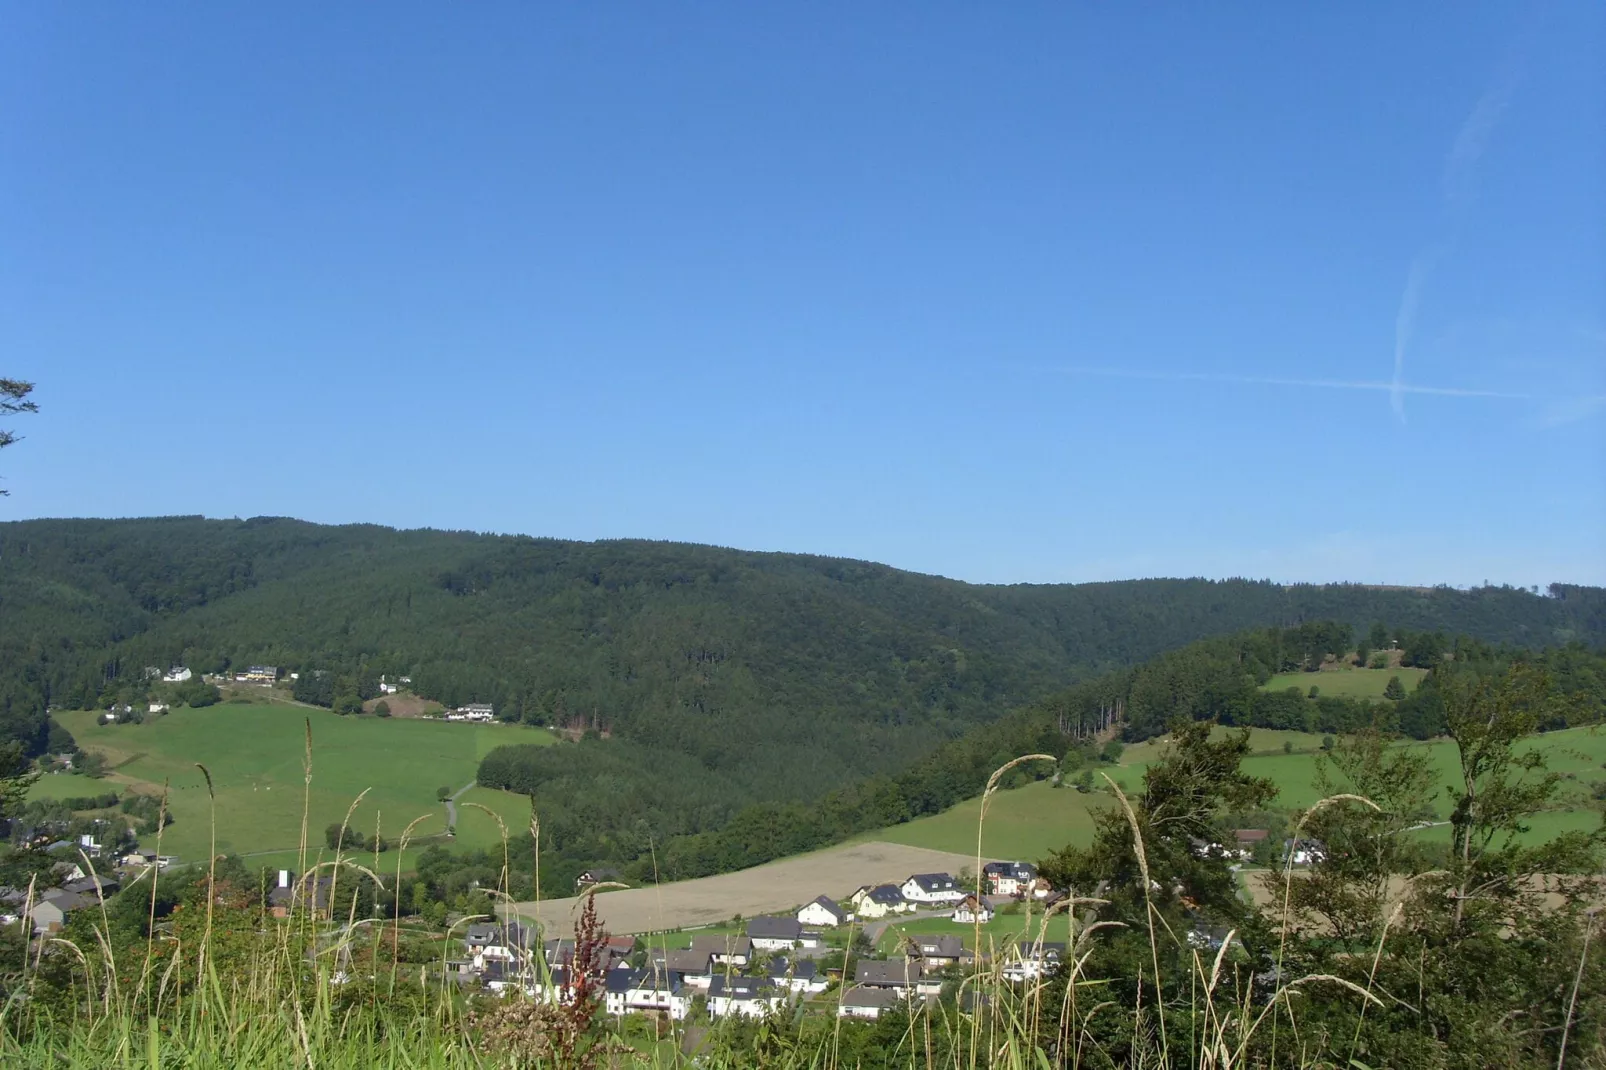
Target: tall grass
[(311, 991)]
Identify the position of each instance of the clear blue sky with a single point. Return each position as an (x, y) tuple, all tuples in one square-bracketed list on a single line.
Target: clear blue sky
[(1030, 295)]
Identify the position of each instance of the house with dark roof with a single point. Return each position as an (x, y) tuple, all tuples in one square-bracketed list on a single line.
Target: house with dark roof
[(939, 951), (880, 901), (499, 941), (891, 973), (932, 888), (725, 950), (747, 997), (801, 977), (774, 934), (823, 912), (858, 1002), (50, 913), (1008, 878), (310, 893)]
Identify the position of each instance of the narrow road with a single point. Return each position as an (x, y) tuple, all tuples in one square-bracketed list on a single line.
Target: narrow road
[(451, 805)]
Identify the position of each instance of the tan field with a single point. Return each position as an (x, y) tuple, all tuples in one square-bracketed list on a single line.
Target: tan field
[(776, 886)]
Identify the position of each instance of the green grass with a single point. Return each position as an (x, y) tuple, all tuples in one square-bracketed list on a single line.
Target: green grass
[(1003, 930), (1348, 682), (254, 753), (1029, 822), (1025, 823)]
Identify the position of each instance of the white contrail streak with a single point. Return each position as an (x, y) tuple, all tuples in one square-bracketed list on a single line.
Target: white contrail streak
[(1391, 387), (1459, 190)]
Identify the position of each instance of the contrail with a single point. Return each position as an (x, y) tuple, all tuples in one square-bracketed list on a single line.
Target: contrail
[(1457, 183), (1404, 324), (1392, 387)]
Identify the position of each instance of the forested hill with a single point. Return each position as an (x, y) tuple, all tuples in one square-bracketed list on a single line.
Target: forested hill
[(784, 673)]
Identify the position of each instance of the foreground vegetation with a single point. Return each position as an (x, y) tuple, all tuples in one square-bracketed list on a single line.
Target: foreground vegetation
[(1387, 951)]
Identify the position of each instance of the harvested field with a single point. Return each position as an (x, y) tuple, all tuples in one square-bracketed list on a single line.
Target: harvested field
[(776, 886)]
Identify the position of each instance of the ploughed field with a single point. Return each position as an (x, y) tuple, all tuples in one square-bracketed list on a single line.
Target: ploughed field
[(770, 888)]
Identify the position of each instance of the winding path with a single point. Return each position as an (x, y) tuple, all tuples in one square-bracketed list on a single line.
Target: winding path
[(451, 805)]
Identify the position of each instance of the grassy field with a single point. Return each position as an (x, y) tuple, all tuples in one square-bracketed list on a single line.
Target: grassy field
[(1003, 930), (1347, 682), (255, 752), (1032, 821), (1026, 823)]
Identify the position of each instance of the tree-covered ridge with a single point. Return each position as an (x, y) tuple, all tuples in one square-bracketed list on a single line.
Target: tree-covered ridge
[(605, 801), (784, 674)]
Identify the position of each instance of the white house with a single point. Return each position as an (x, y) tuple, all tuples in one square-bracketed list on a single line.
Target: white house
[(867, 1002), (1031, 960), (157, 707), (801, 978), (474, 711), (747, 997), (646, 990), (939, 951), (824, 912), (933, 888), (774, 934), (973, 911), (176, 675), (1304, 852), (490, 942)]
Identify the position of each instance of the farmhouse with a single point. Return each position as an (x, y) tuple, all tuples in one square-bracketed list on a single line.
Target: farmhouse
[(649, 990), (176, 675), (932, 888), (474, 711), (258, 674), (774, 934), (1008, 878), (823, 911)]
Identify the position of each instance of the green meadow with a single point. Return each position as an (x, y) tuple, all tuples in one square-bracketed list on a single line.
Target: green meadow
[(1346, 682), (1002, 931), (255, 753), (1025, 823), (1029, 822)]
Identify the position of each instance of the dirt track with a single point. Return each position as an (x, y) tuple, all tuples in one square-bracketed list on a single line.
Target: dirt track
[(777, 886)]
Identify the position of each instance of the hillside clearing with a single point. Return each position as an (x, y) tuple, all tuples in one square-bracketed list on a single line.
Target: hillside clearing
[(255, 755), (1346, 682)]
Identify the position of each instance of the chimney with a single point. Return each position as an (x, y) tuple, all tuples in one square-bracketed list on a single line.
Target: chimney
[(284, 878)]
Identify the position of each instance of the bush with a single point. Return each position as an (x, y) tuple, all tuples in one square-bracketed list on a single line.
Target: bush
[(443, 793), (381, 708), (1112, 751)]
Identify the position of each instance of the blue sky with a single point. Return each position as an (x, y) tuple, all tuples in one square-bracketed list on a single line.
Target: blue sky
[(1042, 295)]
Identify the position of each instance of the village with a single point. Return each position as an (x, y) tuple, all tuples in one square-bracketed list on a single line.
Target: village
[(775, 961)]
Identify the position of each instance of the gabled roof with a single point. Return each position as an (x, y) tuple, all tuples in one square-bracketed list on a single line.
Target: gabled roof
[(1052, 951), (622, 981), (888, 894), (764, 927), (805, 970), (898, 973), (1021, 871), (695, 962), (742, 988), (945, 947), (869, 997), (829, 904), (716, 944), (934, 882)]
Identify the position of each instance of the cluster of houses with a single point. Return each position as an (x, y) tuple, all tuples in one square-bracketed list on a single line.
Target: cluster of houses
[(773, 962), (71, 890), (474, 711)]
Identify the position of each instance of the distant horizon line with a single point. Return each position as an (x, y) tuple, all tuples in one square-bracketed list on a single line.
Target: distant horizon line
[(1539, 590)]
